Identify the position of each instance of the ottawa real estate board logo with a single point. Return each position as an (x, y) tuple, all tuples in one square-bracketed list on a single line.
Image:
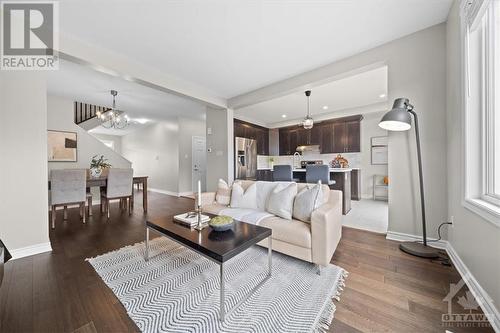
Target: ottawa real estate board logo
[(29, 35)]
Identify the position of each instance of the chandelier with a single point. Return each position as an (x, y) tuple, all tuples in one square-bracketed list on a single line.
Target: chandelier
[(308, 122), (113, 118)]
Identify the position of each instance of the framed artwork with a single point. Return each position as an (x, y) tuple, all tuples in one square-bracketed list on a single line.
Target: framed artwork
[(379, 150), (61, 146)]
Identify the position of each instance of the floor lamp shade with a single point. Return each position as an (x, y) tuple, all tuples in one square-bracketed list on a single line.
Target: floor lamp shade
[(399, 119)]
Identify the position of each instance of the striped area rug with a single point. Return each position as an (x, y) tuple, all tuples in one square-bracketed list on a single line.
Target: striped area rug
[(177, 290)]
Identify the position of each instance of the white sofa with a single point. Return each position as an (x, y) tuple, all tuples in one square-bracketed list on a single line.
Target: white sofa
[(314, 242)]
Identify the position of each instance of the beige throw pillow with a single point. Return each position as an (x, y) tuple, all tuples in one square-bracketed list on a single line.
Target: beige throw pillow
[(280, 201), (223, 195), (244, 199), (306, 201)]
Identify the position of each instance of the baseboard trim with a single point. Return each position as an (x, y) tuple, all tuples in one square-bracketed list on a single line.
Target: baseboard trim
[(30, 250), (481, 296), (175, 194), (402, 237)]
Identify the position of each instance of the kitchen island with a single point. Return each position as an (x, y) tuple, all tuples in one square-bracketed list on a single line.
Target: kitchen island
[(341, 176)]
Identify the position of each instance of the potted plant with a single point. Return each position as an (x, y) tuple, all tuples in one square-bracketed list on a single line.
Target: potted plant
[(271, 162), (97, 164)]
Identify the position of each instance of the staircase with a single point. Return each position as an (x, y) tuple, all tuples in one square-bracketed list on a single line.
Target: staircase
[(86, 115)]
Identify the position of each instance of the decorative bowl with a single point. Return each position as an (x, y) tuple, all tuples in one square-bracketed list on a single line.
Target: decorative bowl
[(221, 223)]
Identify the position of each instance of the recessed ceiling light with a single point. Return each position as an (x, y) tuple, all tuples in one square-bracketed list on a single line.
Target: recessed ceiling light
[(381, 95), (283, 116), (325, 107)]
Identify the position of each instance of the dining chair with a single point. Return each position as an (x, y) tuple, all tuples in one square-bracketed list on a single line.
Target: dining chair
[(282, 173), (119, 187), (315, 173), (67, 187)]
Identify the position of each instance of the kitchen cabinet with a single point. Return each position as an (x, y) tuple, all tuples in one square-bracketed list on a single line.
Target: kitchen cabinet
[(247, 130), (353, 135), (342, 135), (326, 143), (262, 142), (284, 141), (339, 137), (293, 141), (265, 175), (343, 183), (356, 184)]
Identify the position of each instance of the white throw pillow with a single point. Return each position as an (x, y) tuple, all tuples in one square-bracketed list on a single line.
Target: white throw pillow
[(223, 195), (244, 199), (280, 201), (306, 201)]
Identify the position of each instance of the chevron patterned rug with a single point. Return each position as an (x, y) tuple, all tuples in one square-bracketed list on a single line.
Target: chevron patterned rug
[(177, 290)]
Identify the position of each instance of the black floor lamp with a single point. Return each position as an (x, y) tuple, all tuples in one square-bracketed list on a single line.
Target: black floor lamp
[(399, 119)]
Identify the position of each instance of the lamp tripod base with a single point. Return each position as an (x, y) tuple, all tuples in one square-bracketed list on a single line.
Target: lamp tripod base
[(419, 250)]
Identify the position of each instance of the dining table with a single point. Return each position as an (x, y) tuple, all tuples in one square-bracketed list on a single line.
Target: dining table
[(102, 181)]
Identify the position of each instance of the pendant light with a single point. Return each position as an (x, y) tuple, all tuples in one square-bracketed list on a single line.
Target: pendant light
[(113, 118), (308, 122)]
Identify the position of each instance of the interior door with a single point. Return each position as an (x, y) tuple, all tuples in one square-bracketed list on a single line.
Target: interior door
[(199, 163)]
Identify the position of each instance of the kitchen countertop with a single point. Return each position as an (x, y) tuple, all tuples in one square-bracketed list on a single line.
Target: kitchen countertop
[(304, 170), (331, 170)]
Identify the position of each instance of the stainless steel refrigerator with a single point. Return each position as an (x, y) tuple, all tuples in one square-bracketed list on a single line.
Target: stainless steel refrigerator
[(245, 158)]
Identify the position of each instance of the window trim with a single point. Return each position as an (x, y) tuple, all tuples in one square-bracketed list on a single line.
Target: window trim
[(479, 198)]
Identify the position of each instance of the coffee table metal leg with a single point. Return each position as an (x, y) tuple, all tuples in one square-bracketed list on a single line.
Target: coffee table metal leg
[(270, 255), (146, 256), (222, 302)]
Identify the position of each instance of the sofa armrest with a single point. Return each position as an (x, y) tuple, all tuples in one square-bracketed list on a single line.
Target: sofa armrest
[(326, 229), (207, 198)]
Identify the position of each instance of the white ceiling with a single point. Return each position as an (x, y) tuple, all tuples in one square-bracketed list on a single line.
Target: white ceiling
[(232, 47), (355, 91), (83, 84)]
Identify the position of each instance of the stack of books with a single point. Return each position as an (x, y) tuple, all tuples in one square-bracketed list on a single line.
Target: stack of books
[(191, 219)]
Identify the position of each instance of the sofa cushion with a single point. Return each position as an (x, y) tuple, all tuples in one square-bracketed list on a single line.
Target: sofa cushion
[(264, 190), (251, 216), (214, 208), (326, 190), (223, 195), (306, 201), (289, 231), (280, 202), (241, 198)]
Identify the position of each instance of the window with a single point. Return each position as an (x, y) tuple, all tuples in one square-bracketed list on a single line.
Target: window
[(481, 27)]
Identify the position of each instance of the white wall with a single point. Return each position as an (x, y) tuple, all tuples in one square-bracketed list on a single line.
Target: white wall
[(220, 141), (60, 116), (23, 166), (476, 240), (116, 139), (187, 129), (154, 152), (369, 129)]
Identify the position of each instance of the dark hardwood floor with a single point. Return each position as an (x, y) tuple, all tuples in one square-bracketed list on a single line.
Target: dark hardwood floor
[(386, 291)]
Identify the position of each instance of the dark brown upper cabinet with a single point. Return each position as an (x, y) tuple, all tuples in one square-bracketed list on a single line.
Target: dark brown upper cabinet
[(353, 129), (247, 130), (340, 135), (326, 144)]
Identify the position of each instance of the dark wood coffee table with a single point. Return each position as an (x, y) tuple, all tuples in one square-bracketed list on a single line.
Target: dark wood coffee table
[(219, 247)]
